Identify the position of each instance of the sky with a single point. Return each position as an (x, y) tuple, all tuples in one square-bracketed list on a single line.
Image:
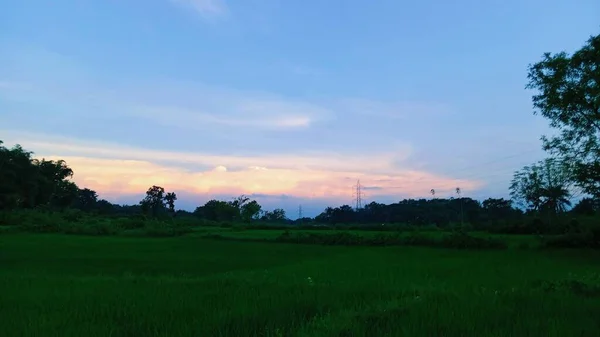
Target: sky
[(290, 101)]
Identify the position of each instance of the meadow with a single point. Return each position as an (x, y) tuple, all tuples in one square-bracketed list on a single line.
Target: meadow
[(190, 285)]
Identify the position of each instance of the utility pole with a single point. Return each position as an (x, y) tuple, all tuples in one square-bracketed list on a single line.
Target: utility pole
[(458, 191)]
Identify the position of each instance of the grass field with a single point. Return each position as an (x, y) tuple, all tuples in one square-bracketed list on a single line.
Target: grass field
[(61, 285)]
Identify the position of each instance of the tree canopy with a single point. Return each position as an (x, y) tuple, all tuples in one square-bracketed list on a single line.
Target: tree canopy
[(568, 95)]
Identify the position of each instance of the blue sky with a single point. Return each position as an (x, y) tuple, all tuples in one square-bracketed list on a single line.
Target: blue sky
[(289, 100)]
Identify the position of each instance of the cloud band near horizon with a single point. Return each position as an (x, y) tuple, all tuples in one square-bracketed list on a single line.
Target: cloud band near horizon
[(116, 171)]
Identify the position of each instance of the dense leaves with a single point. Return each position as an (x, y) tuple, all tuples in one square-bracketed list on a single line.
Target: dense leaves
[(543, 186), (568, 95), (28, 183)]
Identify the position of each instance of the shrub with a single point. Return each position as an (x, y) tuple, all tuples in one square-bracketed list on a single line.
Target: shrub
[(129, 223), (461, 240), (456, 240), (73, 215), (578, 235), (418, 239), (91, 227), (155, 228)]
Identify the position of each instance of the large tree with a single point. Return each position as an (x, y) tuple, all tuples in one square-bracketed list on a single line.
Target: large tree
[(543, 186), (26, 182), (568, 94), (154, 202)]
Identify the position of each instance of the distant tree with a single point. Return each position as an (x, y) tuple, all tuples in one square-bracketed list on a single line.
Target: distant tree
[(586, 206), (87, 199), (217, 210), (569, 96), (277, 215), (64, 195), (26, 182), (498, 208), (170, 200), (458, 192), (543, 186), (154, 202), (104, 207), (250, 210), (239, 202)]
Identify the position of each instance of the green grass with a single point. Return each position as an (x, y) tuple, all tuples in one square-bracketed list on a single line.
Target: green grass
[(59, 285)]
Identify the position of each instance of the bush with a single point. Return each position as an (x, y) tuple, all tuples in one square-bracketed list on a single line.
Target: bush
[(455, 241), (73, 215), (155, 228), (134, 222), (587, 239), (91, 227), (461, 240)]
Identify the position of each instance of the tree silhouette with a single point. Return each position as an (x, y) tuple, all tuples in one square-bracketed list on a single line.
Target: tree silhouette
[(458, 192), (569, 96), (170, 199)]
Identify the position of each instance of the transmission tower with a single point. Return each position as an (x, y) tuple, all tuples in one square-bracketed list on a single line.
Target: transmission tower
[(358, 195), (300, 212)]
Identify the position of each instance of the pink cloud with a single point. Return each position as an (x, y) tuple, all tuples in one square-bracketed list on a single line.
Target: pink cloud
[(114, 170)]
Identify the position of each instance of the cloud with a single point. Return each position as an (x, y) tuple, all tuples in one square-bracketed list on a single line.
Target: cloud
[(115, 170), (43, 77), (204, 7), (236, 111)]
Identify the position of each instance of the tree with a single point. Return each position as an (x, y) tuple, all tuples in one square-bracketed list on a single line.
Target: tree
[(498, 208), (217, 210), (170, 199), (104, 207), (458, 192), (586, 206), (277, 215), (543, 186), (250, 210), (28, 183), (86, 199), (569, 96), (154, 202)]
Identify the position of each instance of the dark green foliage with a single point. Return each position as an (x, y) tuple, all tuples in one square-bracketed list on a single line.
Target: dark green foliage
[(586, 206), (154, 202), (568, 95), (26, 182), (134, 222), (170, 200), (423, 212), (543, 186), (277, 215), (460, 240), (164, 229), (455, 240), (79, 222), (585, 238)]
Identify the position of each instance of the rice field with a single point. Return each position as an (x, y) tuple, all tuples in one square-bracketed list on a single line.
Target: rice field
[(61, 285)]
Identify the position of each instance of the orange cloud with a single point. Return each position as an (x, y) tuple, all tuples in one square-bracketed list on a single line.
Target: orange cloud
[(113, 170)]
